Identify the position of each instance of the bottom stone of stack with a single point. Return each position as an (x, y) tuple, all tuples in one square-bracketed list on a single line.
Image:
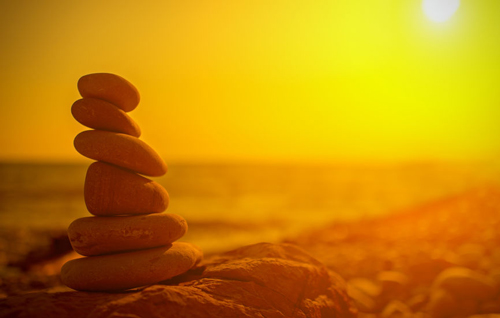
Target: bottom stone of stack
[(129, 270)]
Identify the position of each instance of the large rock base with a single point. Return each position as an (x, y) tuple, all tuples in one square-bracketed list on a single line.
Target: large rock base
[(261, 280)]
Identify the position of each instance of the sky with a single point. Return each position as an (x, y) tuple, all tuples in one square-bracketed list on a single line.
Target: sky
[(255, 80)]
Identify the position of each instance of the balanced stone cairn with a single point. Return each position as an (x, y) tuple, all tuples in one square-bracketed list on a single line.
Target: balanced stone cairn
[(128, 242)]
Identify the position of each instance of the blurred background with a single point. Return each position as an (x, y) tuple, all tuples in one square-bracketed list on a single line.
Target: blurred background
[(274, 116)]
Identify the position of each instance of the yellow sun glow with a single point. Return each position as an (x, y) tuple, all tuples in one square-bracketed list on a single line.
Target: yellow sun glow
[(440, 10), (259, 80)]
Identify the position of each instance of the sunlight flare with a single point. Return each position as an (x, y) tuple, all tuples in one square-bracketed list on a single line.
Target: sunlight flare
[(440, 10)]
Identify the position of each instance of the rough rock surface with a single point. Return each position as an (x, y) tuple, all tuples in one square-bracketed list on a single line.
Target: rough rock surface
[(261, 280)]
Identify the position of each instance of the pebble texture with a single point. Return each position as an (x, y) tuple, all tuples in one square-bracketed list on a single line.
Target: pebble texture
[(110, 190), (101, 115), (440, 260), (111, 88), (120, 149), (262, 280), (103, 235), (131, 269)]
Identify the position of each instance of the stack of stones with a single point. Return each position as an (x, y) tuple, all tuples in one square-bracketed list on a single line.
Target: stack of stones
[(128, 242)]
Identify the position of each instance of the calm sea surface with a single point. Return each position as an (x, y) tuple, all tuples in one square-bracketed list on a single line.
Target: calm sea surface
[(231, 205)]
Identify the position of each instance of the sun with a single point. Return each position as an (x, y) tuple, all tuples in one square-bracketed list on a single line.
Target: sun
[(440, 10)]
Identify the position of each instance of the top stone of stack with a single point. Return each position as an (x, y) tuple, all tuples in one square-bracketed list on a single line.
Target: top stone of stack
[(111, 88)]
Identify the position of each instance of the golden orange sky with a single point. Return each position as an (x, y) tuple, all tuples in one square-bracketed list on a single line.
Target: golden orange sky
[(282, 80)]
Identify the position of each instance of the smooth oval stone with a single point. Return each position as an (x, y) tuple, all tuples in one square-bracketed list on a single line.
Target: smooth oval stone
[(111, 88), (393, 283), (99, 114), (441, 304), (363, 302), (367, 286), (396, 308), (104, 235), (121, 150), (465, 283), (110, 190), (129, 270)]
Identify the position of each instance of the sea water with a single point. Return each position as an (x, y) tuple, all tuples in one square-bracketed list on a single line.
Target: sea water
[(231, 205)]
